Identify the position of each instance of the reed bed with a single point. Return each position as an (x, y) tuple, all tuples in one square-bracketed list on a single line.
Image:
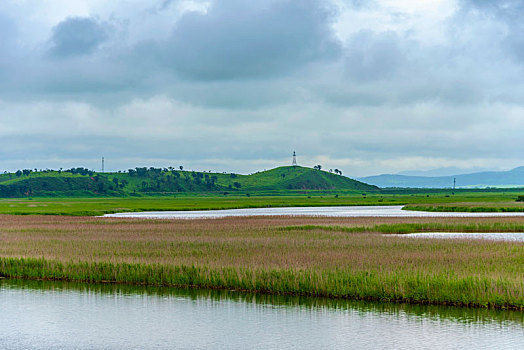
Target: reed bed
[(274, 255), (478, 207)]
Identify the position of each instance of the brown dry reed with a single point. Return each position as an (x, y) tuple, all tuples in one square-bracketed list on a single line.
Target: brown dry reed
[(273, 255)]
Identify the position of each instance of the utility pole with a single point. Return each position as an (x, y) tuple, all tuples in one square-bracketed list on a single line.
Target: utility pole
[(294, 163), (454, 183), (102, 164)]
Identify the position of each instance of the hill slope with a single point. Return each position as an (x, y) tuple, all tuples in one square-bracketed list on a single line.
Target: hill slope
[(300, 178), (143, 181), (510, 178)]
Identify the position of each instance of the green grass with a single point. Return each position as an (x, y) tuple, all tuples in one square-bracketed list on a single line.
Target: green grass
[(503, 207), (100, 206), (295, 178), (443, 288), (206, 201)]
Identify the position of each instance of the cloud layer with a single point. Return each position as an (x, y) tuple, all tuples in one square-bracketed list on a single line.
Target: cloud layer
[(231, 85)]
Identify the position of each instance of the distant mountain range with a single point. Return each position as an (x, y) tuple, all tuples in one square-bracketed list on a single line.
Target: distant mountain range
[(444, 171), (510, 178)]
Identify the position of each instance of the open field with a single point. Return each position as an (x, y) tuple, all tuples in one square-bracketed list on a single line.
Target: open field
[(350, 258), (488, 201), (502, 206)]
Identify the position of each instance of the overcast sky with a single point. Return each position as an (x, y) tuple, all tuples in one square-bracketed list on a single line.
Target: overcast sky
[(368, 87)]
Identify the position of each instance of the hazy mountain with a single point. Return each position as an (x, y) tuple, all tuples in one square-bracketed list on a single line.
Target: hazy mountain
[(444, 171), (510, 178)]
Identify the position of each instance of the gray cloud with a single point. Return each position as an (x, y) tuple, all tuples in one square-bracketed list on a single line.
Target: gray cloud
[(241, 84), (235, 39), (372, 56), (77, 36), (503, 17)]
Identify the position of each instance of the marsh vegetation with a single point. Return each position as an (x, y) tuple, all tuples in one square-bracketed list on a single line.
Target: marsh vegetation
[(332, 257)]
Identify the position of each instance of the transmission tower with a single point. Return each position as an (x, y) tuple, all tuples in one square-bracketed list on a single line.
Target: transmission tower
[(102, 164), (454, 183), (294, 159)]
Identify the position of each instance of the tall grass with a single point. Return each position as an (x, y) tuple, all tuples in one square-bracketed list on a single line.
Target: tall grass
[(339, 283), (331, 257)]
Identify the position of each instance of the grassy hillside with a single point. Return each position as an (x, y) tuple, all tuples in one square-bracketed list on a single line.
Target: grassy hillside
[(296, 178), (81, 182)]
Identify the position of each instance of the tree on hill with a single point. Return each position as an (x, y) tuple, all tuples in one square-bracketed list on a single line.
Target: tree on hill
[(79, 171), (318, 167), (141, 172)]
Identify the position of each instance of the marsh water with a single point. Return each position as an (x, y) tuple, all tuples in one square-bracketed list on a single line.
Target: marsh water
[(58, 315), (493, 236), (347, 211)]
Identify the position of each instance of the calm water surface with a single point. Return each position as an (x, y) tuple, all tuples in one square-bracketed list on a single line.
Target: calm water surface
[(52, 315), (494, 236), (348, 211)]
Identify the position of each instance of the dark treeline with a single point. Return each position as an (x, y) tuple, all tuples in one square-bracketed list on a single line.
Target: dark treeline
[(74, 171), (171, 180), (51, 185), (87, 182)]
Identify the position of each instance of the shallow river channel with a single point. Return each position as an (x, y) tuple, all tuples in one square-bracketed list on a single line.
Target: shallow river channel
[(347, 211), (57, 315)]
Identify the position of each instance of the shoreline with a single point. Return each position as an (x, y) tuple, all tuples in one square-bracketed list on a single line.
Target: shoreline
[(333, 284)]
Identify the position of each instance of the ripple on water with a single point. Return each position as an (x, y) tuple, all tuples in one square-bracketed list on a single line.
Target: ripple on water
[(54, 315)]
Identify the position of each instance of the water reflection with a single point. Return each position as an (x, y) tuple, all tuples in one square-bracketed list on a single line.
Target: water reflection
[(38, 314), (346, 211), (494, 236)]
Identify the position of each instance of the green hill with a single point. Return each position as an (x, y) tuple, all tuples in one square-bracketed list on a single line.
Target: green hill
[(80, 182), (300, 178)]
